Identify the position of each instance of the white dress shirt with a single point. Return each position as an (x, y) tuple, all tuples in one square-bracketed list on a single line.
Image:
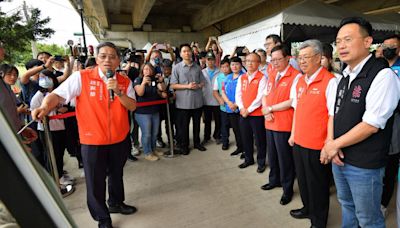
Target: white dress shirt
[(72, 87), (382, 97), (258, 101), (330, 92)]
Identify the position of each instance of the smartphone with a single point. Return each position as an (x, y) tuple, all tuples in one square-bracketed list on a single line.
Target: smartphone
[(161, 46)]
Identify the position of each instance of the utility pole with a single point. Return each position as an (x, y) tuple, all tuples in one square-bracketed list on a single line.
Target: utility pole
[(33, 42)]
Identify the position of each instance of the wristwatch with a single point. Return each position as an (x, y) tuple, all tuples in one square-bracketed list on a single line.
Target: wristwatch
[(44, 66), (270, 108), (119, 94)]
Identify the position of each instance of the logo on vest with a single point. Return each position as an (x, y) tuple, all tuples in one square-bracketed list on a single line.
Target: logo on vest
[(315, 91), (244, 85), (356, 94), (300, 92), (283, 84)]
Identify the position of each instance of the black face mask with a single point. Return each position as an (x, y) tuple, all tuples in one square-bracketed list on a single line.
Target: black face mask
[(389, 53)]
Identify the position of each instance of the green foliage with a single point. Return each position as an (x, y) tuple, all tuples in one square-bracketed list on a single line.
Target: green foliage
[(17, 34)]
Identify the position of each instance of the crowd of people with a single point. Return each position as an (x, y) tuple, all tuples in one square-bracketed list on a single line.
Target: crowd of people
[(307, 119)]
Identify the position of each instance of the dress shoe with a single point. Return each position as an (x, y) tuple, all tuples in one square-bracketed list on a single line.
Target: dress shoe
[(200, 147), (269, 186), (225, 146), (245, 164), (105, 224), (298, 213), (261, 169), (236, 152), (285, 199), (122, 209)]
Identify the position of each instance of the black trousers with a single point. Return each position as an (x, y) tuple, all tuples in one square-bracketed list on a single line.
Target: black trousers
[(225, 126), (391, 170), (134, 134), (72, 138), (184, 116), (313, 180), (280, 158), (59, 145), (100, 162), (211, 112), (234, 119), (253, 127), (37, 148)]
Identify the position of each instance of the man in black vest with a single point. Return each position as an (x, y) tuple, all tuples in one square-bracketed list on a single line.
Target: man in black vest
[(366, 97)]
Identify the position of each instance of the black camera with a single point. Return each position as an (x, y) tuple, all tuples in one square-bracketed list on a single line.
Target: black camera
[(132, 56)]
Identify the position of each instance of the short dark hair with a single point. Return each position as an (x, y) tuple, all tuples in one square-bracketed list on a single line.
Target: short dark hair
[(184, 45), (7, 68), (110, 45), (365, 26), (236, 60), (33, 63), (43, 52), (202, 54), (327, 50), (393, 36), (223, 61), (52, 76), (282, 48), (262, 51), (166, 63), (274, 38)]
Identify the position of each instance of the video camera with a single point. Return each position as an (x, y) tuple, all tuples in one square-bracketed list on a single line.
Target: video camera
[(131, 56)]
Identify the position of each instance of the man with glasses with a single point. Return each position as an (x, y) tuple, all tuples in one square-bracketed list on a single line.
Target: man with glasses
[(368, 93), (278, 114), (248, 97), (103, 129), (313, 98)]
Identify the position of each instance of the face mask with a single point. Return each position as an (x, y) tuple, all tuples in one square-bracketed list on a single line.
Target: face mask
[(46, 82), (389, 53)]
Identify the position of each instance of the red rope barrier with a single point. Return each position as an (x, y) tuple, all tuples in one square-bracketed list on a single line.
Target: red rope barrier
[(141, 104), (150, 103), (62, 116)]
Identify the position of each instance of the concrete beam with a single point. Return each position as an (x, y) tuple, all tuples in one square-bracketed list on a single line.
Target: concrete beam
[(99, 10), (384, 10), (141, 9), (219, 10)]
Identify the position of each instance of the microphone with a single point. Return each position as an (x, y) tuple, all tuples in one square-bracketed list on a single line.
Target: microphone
[(110, 74)]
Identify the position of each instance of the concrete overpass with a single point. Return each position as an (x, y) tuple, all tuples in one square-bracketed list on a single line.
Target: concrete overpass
[(175, 22)]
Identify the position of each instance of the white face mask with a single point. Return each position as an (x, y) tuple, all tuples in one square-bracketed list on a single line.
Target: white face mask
[(46, 82)]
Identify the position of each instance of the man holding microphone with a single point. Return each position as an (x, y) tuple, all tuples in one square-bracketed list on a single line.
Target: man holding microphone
[(103, 129)]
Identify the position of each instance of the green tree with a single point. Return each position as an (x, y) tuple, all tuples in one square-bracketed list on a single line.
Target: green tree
[(17, 34)]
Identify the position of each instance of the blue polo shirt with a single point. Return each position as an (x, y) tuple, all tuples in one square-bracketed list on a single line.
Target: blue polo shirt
[(220, 81), (230, 90), (396, 67)]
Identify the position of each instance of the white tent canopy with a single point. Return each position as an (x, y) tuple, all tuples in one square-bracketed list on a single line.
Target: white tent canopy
[(305, 20)]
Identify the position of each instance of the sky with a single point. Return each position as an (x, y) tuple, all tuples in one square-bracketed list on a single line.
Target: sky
[(64, 19)]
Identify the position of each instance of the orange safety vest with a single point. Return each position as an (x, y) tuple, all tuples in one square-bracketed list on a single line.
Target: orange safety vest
[(277, 93), (100, 121), (250, 90), (311, 117)]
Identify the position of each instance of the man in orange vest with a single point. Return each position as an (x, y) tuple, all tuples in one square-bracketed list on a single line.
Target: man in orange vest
[(278, 114), (313, 100), (248, 97), (103, 128)]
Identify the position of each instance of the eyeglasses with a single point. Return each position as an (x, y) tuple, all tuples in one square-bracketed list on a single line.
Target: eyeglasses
[(384, 46), (104, 56), (305, 58), (276, 60), (346, 40)]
